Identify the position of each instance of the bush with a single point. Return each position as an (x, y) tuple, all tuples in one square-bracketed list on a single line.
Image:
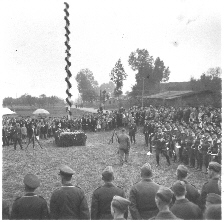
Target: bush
[(65, 138)]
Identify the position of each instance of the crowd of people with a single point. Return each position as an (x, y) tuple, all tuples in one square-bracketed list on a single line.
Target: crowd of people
[(147, 199), (191, 135)]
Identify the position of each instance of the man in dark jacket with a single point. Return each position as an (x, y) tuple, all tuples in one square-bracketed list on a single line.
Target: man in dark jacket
[(192, 193), (68, 202), (103, 195), (17, 136), (30, 206), (163, 199), (214, 170), (142, 196), (183, 208)]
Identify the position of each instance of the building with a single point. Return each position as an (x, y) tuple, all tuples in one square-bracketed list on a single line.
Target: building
[(180, 98)]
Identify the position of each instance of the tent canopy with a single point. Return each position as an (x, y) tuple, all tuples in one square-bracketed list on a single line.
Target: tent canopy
[(7, 111)]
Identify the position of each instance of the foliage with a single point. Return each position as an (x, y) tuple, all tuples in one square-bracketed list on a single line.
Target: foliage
[(210, 80), (118, 75), (109, 87), (87, 86), (28, 100), (149, 71), (65, 138)]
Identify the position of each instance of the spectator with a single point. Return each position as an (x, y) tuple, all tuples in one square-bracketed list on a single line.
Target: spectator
[(24, 133), (30, 206), (163, 199), (142, 196), (211, 186), (119, 206), (213, 212), (102, 197), (68, 202), (192, 194), (182, 207), (212, 198)]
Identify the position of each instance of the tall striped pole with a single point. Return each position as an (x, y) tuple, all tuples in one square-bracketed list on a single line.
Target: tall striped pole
[(68, 63)]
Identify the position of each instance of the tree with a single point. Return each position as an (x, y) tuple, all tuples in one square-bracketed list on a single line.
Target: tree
[(109, 87), (87, 86), (118, 75), (149, 72)]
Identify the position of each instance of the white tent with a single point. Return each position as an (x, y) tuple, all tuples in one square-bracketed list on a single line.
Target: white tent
[(7, 111)]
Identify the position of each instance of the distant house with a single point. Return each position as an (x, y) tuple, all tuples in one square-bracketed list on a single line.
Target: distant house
[(180, 98)]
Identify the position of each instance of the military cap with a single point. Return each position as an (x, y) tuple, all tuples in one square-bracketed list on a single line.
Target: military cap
[(108, 172), (66, 170), (165, 194), (120, 203), (146, 169), (123, 129), (214, 166), (182, 170), (179, 188), (213, 198), (31, 181)]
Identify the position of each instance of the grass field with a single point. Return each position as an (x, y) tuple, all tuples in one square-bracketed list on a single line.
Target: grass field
[(87, 161)]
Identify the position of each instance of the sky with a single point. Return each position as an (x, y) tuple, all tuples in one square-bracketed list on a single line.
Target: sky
[(185, 34)]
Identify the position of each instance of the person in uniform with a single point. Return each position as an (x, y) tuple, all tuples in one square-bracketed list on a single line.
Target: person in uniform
[(69, 201), (163, 199), (214, 170), (192, 194), (30, 206), (142, 196), (183, 208), (213, 212), (119, 206), (146, 131), (124, 146), (160, 142), (17, 136), (213, 198), (132, 131), (103, 195)]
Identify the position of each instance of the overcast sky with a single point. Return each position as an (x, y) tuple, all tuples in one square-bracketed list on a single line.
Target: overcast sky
[(185, 34)]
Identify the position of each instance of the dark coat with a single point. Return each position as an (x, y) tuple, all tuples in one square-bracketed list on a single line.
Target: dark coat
[(184, 209), (101, 201), (168, 215), (30, 207), (69, 202), (209, 187), (142, 197)]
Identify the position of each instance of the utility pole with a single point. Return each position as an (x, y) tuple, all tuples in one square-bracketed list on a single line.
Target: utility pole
[(143, 79)]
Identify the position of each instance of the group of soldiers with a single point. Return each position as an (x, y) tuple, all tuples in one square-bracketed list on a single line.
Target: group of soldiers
[(147, 199)]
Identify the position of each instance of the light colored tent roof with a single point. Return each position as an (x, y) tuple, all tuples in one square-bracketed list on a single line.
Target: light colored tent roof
[(6, 111)]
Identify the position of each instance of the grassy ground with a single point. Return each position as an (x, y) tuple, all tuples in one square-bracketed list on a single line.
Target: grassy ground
[(87, 161)]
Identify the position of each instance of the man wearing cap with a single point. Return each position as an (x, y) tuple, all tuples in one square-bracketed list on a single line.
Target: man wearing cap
[(142, 196), (214, 170), (213, 212), (68, 202), (132, 130), (192, 194), (30, 206), (163, 199), (17, 136), (103, 195), (124, 146), (119, 206), (182, 207), (212, 198), (146, 131)]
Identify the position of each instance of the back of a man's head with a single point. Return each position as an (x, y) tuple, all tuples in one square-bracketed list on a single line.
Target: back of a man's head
[(163, 197), (182, 172), (179, 188), (146, 171), (213, 212), (108, 174)]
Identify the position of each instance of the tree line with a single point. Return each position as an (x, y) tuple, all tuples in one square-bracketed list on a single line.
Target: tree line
[(28, 100), (150, 72)]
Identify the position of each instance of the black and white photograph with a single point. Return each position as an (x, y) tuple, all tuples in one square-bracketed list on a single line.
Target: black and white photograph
[(111, 109)]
